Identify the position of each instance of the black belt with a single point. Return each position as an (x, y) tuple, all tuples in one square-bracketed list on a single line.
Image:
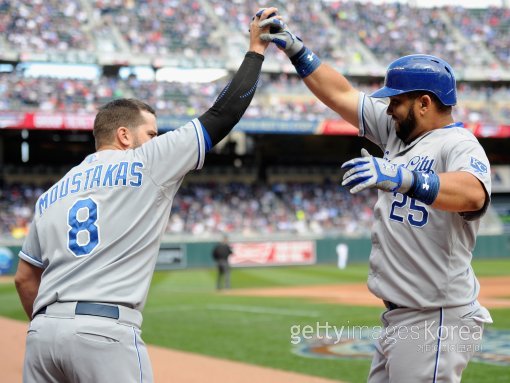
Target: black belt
[(392, 306), (94, 309)]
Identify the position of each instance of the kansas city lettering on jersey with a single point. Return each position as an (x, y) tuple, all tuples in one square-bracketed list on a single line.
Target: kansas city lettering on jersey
[(120, 174), (421, 164)]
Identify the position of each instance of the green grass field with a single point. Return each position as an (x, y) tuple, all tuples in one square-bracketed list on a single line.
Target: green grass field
[(184, 312)]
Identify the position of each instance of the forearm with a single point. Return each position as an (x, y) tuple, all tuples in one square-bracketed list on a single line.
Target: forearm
[(27, 292), (27, 281), (335, 91), (459, 192), (234, 99)]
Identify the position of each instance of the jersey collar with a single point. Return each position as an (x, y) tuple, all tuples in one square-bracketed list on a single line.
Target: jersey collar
[(454, 125)]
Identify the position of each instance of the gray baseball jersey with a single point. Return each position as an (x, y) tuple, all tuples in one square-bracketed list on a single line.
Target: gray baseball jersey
[(96, 244), (421, 257)]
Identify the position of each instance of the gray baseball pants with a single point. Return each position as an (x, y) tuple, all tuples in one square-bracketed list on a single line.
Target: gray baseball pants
[(429, 345), (64, 347)]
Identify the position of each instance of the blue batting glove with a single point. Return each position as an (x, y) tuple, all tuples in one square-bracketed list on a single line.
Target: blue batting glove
[(372, 172)]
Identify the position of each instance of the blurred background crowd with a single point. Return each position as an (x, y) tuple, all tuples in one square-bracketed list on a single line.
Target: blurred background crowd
[(358, 38), (241, 208), (275, 97), (341, 31)]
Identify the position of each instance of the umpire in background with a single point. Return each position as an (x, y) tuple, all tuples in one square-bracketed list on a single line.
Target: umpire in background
[(220, 254)]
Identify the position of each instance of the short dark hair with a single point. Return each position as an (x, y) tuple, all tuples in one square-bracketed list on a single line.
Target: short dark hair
[(442, 108), (121, 112)]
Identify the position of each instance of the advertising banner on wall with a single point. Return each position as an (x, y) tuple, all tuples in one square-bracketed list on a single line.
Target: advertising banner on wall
[(273, 253), (85, 121)]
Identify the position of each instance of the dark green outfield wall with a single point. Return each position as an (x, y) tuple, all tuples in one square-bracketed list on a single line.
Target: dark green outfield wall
[(359, 249), (197, 254)]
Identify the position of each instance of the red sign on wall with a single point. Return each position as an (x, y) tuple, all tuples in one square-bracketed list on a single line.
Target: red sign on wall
[(273, 253), (337, 127)]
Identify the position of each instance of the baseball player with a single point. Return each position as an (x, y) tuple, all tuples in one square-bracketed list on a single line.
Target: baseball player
[(434, 186), (87, 262)]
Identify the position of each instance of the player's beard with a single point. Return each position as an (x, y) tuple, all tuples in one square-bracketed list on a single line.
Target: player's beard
[(406, 127)]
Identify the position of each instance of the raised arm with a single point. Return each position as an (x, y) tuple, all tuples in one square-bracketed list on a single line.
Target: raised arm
[(233, 101), (331, 87), (335, 91)]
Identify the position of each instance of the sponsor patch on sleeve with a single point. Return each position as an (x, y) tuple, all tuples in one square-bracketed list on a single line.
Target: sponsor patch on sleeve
[(478, 166)]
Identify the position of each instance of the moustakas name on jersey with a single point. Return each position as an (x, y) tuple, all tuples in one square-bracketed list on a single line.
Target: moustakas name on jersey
[(123, 173)]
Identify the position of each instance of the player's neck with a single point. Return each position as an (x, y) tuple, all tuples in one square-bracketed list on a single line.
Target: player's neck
[(442, 122), (110, 147), (434, 122)]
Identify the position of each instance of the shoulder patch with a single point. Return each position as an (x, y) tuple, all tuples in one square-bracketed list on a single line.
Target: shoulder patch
[(91, 158), (478, 166)]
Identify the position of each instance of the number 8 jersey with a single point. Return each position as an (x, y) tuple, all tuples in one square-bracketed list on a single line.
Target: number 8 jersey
[(96, 232), (421, 256)]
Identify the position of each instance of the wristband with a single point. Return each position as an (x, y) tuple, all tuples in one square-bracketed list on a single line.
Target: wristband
[(425, 187), (305, 62)]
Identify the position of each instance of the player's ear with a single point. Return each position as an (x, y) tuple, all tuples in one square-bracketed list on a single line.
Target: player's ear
[(123, 137), (422, 104), (425, 101)]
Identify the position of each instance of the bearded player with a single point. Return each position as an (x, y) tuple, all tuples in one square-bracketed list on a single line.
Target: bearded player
[(434, 186)]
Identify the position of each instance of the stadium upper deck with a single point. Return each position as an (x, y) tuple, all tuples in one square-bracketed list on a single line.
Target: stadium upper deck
[(358, 38)]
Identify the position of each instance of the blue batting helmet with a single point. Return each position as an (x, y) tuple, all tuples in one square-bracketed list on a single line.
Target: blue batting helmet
[(420, 72)]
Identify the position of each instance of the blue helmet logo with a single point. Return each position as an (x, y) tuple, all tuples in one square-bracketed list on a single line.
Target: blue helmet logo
[(420, 72)]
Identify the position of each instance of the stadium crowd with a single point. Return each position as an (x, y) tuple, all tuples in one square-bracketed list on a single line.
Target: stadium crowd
[(240, 208), (198, 28), (275, 97), (170, 27), (17, 203), (30, 25), (462, 36), (489, 27), (345, 33), (305, 15)]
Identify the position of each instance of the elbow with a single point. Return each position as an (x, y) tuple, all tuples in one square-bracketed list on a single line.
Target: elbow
[(19, 281), (475, 195), (476, 202), (479, 204), (218, 125)]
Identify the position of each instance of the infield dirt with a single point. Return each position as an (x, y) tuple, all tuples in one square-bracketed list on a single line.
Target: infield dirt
[(183, 367), (493, 293), (168, 365)]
